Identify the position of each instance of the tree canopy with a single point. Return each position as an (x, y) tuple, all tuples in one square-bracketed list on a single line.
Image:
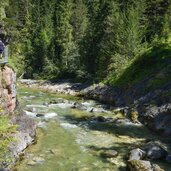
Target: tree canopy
[(82, 39)]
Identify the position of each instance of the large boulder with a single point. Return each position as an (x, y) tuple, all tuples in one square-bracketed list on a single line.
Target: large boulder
[(154, 151)]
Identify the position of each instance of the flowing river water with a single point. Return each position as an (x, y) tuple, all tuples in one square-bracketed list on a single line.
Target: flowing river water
[(71, 140)]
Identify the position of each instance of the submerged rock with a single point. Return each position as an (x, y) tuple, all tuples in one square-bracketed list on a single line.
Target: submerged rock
[(40, 115), (35, 161), (101, 119), (109, 153), (31, 163), (79, 106), (56, 152), (38, 159)]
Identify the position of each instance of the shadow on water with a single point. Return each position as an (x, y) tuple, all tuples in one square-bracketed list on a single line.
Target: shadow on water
[(130, 130)]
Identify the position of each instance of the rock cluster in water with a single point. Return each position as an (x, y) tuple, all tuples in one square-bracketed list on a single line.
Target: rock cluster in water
[(138, 158)]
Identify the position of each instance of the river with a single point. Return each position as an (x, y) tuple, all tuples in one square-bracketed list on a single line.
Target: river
[(73, 140)]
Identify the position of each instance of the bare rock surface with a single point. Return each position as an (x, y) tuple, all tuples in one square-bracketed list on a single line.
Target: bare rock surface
[(8, 88)]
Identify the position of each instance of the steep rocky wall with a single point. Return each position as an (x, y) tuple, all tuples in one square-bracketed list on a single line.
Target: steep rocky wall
[(8, 99), (26, 127)]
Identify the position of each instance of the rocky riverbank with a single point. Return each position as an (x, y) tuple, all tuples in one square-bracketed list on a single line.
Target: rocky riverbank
[(153, 108), (26, 127)]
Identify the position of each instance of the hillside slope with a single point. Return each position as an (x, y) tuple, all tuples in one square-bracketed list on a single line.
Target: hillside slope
[(145, 86)]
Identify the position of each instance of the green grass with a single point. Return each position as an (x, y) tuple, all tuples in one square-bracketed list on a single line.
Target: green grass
[(6, 130), (155, 63)]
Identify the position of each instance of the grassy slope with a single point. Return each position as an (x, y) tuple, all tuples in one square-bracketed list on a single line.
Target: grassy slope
[(153, 66)]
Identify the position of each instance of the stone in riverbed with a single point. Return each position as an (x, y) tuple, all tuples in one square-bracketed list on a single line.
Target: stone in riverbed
[(46, 104), (40, 115), (101, 119), (142, 165), (38, 159), (31, 163), (139, 165), (154, 151), (109, 154), (137, 154), (55, 152)]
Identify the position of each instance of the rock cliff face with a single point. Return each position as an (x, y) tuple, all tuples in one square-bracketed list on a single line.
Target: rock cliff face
[(26, 127), (7, 88)]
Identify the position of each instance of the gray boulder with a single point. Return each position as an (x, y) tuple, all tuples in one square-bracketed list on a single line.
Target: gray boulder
[(137, 154), (154, 151)]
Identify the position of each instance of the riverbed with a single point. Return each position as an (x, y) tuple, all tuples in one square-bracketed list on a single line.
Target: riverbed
[(71, 139)]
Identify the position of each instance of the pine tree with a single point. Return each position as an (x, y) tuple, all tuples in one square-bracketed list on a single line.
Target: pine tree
[(124, 37), (79, 22), (155, 13), (64, 38), (98, 11)]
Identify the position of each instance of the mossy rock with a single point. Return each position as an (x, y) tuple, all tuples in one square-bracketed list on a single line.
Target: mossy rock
[(142, 165), (139, 165), (109, 154), (134, 116)]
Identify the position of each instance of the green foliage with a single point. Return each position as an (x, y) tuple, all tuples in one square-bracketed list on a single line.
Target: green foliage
[(155, 14), (124, 37), (6, 130), (154, 63), (95, 40)]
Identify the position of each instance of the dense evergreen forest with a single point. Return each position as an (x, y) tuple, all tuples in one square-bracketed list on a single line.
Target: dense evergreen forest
[(82, 39)]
